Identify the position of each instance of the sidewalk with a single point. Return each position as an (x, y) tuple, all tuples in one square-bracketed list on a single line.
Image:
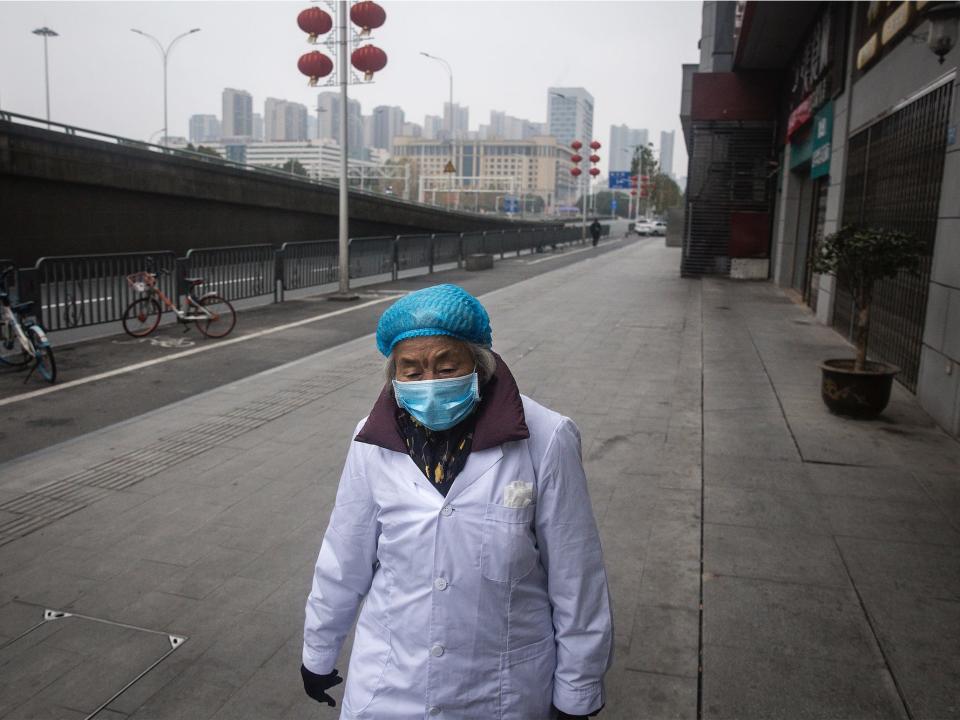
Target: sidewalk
[(830, 549)]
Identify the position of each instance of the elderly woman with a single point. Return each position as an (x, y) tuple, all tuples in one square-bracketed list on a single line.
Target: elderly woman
[(464, 534)]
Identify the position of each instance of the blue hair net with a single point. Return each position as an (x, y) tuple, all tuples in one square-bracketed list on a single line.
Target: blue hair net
[(438, 310)]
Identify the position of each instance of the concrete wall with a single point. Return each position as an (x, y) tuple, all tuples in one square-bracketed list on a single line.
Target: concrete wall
[(67, 195)]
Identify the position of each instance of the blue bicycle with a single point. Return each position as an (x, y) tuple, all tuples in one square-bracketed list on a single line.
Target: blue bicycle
[(22, 339)]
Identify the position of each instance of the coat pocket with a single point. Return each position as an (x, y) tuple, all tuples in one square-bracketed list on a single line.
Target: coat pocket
[(526, 681), (508, 550), (369, 661)]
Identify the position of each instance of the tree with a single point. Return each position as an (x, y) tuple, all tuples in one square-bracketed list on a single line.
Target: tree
[(203, 150), (293, 167), (666, 193), (862, 257)]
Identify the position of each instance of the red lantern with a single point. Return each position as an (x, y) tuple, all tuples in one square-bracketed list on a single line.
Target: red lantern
[(576, 144), (576, 159), (633, 192), (575, 171), (368, 59), (368, 15), (594, 171), (315, 65), (594, 158), (315, 22), (595, 145)]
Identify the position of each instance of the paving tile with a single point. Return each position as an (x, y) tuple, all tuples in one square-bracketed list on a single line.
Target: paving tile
[(765, 509), (740, 684), (890, 520), (918, 568), (919, 634), (787, 619), (773, 555), (752, 473), (632, 695), (664, 640), (674, 584), (894, 484)]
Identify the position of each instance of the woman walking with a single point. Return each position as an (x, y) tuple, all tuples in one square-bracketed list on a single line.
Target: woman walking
[(464, 536)]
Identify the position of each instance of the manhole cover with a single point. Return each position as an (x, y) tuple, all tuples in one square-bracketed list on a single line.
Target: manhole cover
[(59, 665)]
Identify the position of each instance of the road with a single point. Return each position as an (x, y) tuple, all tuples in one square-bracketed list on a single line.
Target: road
[(112, 378)]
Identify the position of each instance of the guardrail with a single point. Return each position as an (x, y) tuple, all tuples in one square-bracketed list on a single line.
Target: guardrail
[(83, 290), (74, 291)]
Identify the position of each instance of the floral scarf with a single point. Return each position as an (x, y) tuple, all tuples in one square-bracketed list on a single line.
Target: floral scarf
[(440, 454)]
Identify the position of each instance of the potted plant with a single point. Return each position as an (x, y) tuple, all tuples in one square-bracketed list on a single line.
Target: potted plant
[(861, 256)]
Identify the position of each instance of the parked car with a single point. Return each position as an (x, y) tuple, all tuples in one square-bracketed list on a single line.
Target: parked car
[(659, 228), (644, 227)]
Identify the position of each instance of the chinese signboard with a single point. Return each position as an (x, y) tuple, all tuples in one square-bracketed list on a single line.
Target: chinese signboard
[(619, 180), (822, 136)]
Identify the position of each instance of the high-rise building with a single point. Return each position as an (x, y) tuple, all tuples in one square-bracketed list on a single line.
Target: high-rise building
[(237, 114), (258, 127), (387, 124), (507, 127), (284, 121), (570, 114), (329, 104), (432, 126), (204, 128), (411, 129), (461, 120), (623, 141), (666, 153)]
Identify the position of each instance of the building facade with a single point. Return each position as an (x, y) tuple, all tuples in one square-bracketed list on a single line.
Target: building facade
[(237, 116), (388, 122), (864, 123), (537, 167), (204, 128), (329, 111), (623, 140), (666, 153), (284, 121), (570, 114), (461, 120)]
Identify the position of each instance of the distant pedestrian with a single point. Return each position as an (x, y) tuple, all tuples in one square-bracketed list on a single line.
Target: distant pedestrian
[(595, 230), (464, 535)]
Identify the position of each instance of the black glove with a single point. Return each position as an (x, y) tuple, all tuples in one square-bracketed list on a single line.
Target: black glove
[(561, 715), (316, 686)]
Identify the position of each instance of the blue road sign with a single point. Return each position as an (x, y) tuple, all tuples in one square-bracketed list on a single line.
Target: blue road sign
[(619, 179), (511, 204), (613, 205)]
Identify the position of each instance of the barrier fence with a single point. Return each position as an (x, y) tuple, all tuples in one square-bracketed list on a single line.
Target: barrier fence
[(82, 290)]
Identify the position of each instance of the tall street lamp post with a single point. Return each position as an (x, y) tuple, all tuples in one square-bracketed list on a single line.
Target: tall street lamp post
[(449, 129), (165, 54), (45, 33)]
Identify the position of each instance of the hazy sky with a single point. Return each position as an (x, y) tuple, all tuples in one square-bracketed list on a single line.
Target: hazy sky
[(504, 55)]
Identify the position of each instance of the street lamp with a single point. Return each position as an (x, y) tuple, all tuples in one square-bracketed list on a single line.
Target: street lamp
[(165, 54), (450, 72), (45, 33)]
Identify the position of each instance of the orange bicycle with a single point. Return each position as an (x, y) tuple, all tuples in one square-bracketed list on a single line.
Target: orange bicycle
[(213, 313)]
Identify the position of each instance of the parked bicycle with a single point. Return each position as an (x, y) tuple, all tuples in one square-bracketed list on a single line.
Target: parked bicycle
[(212, 313), (22, 339)]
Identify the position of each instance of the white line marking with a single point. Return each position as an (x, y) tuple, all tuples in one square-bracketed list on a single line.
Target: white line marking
[(185, 353)]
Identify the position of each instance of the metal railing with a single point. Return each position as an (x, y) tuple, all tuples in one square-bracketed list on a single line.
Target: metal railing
[(83, 290), (237, 273), (80, 290)]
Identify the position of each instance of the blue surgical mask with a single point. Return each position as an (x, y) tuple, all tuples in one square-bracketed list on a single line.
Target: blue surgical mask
[(439, 404)]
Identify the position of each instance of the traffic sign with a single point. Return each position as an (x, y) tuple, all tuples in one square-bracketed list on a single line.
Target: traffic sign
[(613, 206), (449, 168), (511, 204), (618, 179)]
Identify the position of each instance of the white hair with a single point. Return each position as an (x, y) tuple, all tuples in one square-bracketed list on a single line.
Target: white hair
[(483, 358)]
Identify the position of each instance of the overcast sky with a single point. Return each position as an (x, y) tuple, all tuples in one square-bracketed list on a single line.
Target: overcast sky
[(504, 55)]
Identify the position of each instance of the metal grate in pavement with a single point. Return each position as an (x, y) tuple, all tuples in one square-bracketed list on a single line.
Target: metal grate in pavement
[(47, 503)]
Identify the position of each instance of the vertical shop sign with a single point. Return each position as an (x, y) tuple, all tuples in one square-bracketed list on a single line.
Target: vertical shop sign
[(822, 136)]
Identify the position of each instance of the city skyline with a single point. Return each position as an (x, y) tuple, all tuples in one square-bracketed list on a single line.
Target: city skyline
[(497, 65)]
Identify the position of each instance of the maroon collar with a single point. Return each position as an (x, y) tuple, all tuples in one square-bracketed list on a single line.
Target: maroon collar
[(500, 416)]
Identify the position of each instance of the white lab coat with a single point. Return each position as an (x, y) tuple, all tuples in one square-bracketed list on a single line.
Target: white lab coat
[(474, 610)]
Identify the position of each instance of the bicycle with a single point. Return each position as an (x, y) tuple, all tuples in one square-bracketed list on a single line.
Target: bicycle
[(212, 313), (22, 338)]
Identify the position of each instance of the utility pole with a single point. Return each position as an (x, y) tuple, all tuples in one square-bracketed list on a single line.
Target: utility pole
[(344, 292)]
